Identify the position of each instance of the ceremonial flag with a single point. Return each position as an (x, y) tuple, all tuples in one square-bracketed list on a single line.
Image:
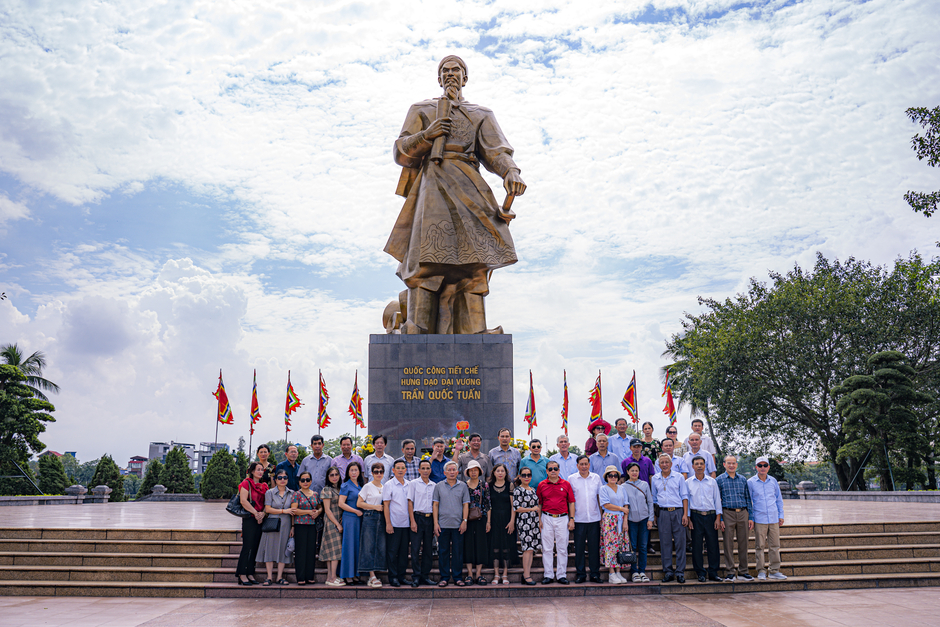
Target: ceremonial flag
[(596, 409), (564, 405), (670, 408), (225, 410), (530, 406), (355, 404), (323, 419), (629, 399), (255, 410), (291, 405)]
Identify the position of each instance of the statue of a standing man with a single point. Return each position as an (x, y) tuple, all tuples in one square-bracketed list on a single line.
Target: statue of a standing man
[(451, 232)]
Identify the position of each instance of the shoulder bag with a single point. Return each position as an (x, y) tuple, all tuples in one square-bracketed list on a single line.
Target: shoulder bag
[(235, 508)]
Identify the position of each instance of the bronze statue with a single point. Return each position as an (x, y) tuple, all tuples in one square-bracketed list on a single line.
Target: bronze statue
[(451, 233)]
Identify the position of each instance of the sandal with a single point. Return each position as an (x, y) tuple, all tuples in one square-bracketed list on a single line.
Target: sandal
[(283, 582), (301, 583), (459, 583), (505, 581), (481, 580), (311, 582), (468, 581), (267, 582), (495, 581), (442, 583)]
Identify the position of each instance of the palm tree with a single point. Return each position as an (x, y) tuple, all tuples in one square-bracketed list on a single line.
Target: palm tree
[(32, 367), (685, 386)]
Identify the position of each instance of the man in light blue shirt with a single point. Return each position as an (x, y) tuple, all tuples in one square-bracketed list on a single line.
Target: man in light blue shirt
[(536, 463), (671, 493), (704, 509), (766, 517), (696, 450), (603, 457), (567, 463), (506, 454), (619, 443)]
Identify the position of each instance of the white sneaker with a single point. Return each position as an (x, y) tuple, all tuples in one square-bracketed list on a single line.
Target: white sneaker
[(762, 576), (615, 578), (776, 575), (637, 578)]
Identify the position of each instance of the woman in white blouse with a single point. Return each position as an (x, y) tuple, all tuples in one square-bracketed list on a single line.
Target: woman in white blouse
[(372, 532)]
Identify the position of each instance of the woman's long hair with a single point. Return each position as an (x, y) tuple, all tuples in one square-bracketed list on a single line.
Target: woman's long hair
[(361, 479)]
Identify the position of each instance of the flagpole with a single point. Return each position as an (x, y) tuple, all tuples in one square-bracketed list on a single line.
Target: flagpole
[(355, 421), (285, 418), (216, 444), (320, 391)]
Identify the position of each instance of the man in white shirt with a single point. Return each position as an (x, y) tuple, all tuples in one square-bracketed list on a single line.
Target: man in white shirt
[(704, 508), (586, 485), (421, 511), (379, 442), (397, 525), (695, 450), (707, 445), (567, 463)]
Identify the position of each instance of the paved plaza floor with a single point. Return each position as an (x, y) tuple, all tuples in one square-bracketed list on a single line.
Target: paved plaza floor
[(148, 515), (853, 608)]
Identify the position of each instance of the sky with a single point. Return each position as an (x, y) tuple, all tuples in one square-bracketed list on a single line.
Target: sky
[(189, 186)]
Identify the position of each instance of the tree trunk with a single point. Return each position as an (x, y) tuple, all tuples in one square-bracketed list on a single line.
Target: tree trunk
[(931, 472), (711, 433)]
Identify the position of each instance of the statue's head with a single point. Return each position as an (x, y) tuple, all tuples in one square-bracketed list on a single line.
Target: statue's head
[(452, 74)]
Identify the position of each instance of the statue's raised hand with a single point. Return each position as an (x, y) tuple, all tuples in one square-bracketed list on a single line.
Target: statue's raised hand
[(438, 127)]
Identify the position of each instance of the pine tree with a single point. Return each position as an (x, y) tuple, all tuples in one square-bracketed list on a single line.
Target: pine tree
[(151, 478), (220, 481), (176, 477), (107, 473), (241, 465), (52, 477)]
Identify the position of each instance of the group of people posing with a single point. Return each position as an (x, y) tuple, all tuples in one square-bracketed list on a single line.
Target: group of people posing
[(481, 510)]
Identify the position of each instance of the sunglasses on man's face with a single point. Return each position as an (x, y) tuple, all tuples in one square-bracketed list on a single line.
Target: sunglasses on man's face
[(552, 470), (763, 465)]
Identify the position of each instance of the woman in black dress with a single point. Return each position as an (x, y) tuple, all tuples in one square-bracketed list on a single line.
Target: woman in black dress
[(502, 534), (475, 547)]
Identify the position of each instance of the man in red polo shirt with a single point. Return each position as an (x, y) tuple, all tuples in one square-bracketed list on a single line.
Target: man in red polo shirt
[(557, 500)]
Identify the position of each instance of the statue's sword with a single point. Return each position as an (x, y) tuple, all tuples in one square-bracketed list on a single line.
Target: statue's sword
[(505, 212)]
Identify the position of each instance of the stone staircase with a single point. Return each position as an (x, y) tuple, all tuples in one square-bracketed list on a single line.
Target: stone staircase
[(201, 563)]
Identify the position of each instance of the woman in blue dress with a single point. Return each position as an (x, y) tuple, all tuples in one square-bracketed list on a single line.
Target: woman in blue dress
[(348, 498)]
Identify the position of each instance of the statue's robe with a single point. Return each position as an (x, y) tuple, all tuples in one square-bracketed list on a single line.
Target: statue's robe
[(448, 229)]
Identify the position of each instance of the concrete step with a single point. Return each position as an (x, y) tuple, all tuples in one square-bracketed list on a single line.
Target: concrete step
[(149, 535), (119, 546), (231, 590)]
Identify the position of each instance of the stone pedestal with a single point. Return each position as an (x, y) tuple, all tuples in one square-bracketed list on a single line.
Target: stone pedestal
[(420, 386)]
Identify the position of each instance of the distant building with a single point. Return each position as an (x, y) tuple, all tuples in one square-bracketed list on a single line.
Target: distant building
[(46, 453), (206, 451), (136, 466), (158, 450)]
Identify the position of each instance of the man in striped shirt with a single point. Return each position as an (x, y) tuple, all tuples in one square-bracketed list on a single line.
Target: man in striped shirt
[(735, 513)]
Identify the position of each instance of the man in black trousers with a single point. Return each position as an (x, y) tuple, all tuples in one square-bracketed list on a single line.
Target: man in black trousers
[(421, 511), (397, 526), (704, 510)]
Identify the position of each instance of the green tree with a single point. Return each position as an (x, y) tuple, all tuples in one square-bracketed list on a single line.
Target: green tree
[(687, 391), (32, 367), (52, 477), (176, 476), (766, 360), (151, 478), (22, 420), (926, 147), (72, 468), (86, 472), (241, 465), (221, 479), (107, 473), (879, 416), (131, 486)]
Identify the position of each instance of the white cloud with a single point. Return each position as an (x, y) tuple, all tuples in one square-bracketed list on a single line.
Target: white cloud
[(664, 159)]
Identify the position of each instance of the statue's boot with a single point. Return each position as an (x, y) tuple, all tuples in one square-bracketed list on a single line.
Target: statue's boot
[(422, 312)]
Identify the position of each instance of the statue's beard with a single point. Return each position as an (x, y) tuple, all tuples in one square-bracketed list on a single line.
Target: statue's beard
[(452, 88)]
